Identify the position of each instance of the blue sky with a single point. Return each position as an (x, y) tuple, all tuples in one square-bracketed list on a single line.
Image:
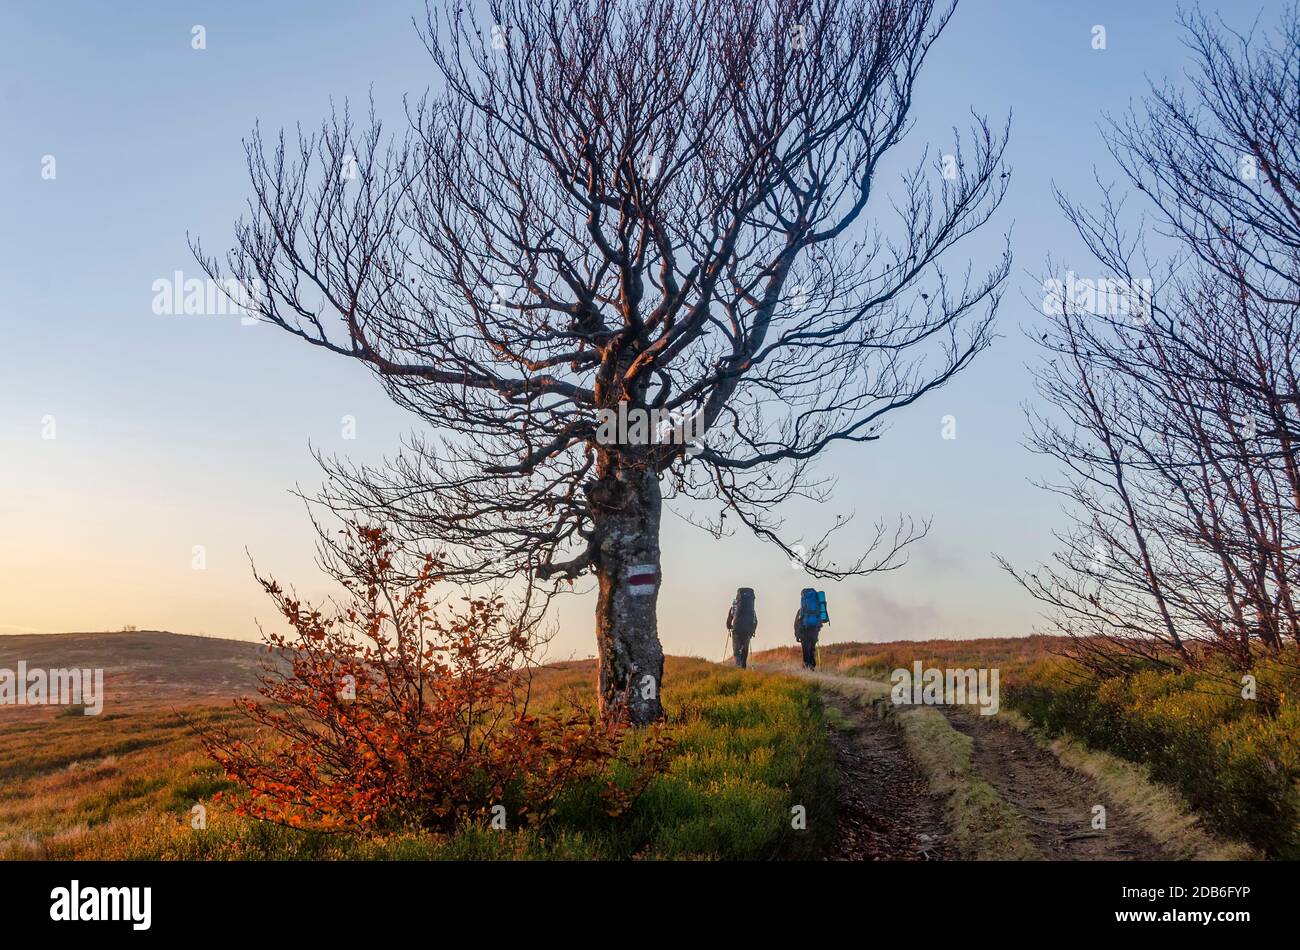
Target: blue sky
[(176, 431)]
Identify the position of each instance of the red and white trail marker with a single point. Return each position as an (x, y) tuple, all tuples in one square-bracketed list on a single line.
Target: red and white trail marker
[(641, 579)]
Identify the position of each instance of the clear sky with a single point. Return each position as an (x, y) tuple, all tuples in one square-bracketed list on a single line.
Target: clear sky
[(173, 431)]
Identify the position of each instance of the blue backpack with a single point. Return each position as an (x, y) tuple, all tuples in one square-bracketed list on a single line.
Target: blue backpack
[(812, 607)]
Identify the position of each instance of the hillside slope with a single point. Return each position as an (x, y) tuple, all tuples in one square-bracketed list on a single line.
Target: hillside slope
[(143, 667)]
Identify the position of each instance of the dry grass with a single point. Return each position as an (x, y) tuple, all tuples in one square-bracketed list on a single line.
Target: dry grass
[(70, 779), (877, 660), (121, 785)]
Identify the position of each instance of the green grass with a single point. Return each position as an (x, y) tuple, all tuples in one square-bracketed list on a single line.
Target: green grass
[(1235, 760), (749, 747)]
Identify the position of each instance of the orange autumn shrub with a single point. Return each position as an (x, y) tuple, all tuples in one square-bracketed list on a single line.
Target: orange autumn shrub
[(385, 714)]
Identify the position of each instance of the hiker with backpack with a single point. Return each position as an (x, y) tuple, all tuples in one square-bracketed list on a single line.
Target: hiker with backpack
[(742, 622), (808, 624)]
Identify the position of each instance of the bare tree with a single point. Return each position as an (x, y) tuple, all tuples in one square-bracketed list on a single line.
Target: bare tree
[(658, 208), (1177, 412)]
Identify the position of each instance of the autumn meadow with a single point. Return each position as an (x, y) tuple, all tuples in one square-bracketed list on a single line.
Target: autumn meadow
[(860, 437)]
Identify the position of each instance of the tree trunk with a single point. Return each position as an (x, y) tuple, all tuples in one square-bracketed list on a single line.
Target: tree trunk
[(627, 504)]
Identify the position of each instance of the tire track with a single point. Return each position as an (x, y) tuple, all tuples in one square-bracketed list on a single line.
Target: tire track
[(885, 810), (1057, 802)]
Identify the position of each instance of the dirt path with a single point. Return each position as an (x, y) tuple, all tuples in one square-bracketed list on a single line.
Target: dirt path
[(1057, 802), (886, 810)]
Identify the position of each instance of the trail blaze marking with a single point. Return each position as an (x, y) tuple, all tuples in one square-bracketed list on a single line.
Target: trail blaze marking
[(641, 580)]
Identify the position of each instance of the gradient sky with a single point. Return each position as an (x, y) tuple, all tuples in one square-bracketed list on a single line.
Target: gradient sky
[(174, 431)]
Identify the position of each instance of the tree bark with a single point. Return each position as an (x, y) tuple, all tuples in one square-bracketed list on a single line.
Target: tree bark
[(627, 504)]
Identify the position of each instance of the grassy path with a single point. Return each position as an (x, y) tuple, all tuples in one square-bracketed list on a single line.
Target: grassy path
[(1058, 804), (1001, 795)]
